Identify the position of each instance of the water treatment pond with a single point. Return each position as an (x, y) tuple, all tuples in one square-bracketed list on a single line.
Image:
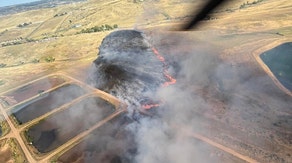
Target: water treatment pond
[(34, 88), (57, 129), (108, 143), (279, 61), (46, 103)]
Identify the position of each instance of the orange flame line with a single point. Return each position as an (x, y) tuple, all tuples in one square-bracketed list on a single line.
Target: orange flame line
[(161, 58), (168, 76), (150, 106), (172, 80)]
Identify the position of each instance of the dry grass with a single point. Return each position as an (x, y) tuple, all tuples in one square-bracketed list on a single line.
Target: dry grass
[(4, 126), (10, 152), (269, 17)]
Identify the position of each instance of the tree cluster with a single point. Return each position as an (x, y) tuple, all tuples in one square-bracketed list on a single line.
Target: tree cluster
[(61, 14), (50, 59), (101, 28), (24, 24), (247, 3), (16, 42)]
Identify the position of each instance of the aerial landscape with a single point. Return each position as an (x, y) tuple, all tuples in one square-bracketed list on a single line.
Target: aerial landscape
[(123, 81)]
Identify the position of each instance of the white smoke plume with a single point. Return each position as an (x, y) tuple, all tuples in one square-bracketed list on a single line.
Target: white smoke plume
[(208, 88)]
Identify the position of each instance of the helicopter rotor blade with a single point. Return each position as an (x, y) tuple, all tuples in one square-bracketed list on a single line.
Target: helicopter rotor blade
[(211, 5)]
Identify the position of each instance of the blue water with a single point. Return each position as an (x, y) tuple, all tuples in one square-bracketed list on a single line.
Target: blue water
[(14, 2), (279, 60)]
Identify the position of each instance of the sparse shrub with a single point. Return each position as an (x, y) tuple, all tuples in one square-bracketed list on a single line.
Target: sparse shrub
[(249, 3), (29, 39), (35, 60), (40, 92), (27, 136), (49, 59), (280, 34), (4, 44), (16, 43), (61, 14), (108, 27), (101, 28), (24, 24), (242, 6), (2, 65), (229, 10)]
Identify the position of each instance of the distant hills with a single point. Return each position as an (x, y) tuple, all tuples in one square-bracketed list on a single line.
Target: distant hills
[(6, 10)]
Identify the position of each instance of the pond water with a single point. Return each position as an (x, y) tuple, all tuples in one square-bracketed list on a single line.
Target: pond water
[(46, 103), (279, 61), (56, 130), (111, 142), (34, 88)]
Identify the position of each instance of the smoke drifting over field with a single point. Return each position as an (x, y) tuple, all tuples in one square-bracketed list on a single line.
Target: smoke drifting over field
[(157, 138), (127, 68), (206, 89)]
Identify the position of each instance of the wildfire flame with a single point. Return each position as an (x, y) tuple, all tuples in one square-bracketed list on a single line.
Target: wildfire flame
[(166, 74), (150, 106)]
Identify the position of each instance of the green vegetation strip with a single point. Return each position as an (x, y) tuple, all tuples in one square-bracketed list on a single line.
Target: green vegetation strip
[(247, 3), (101, 28), (3, 127)]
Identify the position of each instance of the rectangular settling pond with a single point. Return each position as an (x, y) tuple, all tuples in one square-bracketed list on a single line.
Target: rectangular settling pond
[(46, 103), (34, 88), (59, 128), (279, 61), (111, 142)]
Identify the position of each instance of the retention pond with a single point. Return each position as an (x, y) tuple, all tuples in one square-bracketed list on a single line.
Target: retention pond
[(57, 129), (46, 103), (34, 88), (279, 61), (111, 142)]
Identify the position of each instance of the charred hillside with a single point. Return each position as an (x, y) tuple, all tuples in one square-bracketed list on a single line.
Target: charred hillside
[(127, 67)]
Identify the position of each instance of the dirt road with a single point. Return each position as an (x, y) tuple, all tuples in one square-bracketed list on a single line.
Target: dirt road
[(219, 146), (15, 133), (79, 137)]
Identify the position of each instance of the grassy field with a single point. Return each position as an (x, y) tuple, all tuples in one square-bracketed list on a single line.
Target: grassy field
[(51, 36), (3, 126), (10, 151)]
